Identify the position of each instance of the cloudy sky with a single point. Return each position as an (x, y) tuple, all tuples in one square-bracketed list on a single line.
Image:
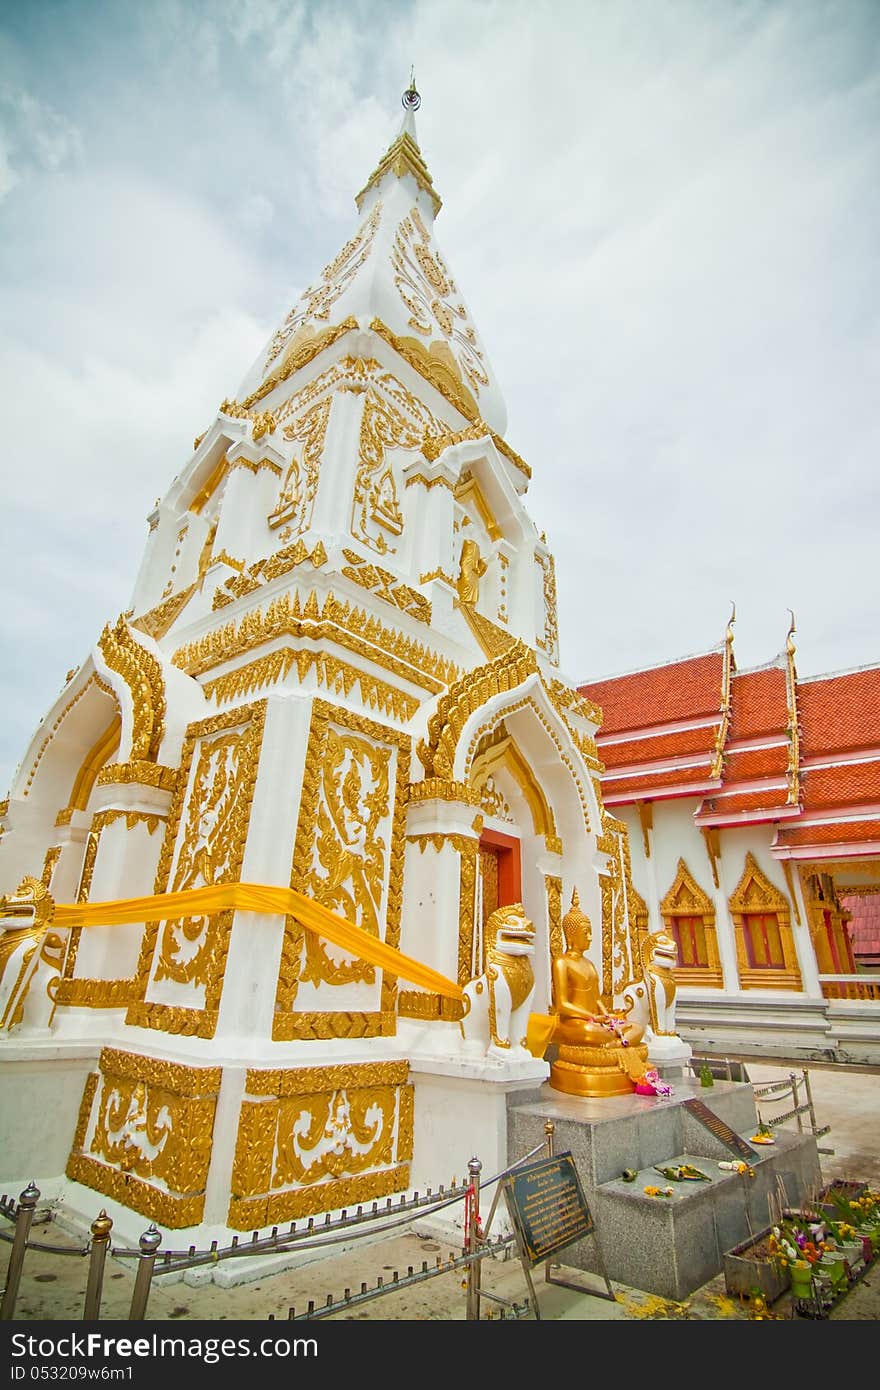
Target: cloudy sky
[(663, 215)]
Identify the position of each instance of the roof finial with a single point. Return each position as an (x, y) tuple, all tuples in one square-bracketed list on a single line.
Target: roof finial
[(411, 101), (730, 622), (789, 640)]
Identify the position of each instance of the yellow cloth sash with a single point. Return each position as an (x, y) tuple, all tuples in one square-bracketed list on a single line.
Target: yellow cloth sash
[(257, 897)]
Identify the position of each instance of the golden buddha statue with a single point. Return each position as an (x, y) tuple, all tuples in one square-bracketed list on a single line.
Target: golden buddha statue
[(472, 567), (600, 1052)]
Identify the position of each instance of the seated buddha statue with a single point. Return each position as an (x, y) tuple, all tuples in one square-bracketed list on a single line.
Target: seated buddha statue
[(600, 1052)]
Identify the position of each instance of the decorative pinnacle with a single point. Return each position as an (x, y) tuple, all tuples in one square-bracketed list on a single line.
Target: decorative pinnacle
[(411, 101)]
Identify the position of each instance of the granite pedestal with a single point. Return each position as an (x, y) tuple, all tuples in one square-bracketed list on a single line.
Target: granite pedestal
[(664, 1245)]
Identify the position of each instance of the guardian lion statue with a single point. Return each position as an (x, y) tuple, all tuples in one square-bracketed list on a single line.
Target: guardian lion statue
[(497, 1003), (651, 1000)]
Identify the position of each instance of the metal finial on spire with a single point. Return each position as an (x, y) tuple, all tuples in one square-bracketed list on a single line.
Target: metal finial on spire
[(411, 101), (730, 621)]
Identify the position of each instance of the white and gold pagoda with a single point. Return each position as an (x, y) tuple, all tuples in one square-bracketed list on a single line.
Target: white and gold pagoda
[(337, 682)]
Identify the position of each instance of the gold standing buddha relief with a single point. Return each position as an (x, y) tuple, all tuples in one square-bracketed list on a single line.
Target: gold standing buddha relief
[(348, 855)]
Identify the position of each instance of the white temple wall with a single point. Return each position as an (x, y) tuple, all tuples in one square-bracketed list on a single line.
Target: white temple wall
[(331, 515), (248, 999), (431, 891), (674, 836)]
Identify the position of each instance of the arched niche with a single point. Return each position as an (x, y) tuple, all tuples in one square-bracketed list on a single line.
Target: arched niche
[(78, 736)]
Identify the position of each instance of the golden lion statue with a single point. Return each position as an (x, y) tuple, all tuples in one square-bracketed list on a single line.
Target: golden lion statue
[(650, 1001)]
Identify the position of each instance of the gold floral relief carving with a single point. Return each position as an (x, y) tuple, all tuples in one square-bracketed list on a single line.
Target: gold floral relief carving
[(318, 1134), (252, 577), (318, 300), (337, 676), (146, 1131), (569, 700), (51, 859), (299, 487), (348, 855), (204, 844), (142, 674), (143, 774), (554, 913), (210, 851), (386, 586), (469, 693), (349, 847), (392, 419), (439, 789), (294, 1081), (334, 1135), (335, 620), (249, 1213), (416, 1003), (462, 844), (472, 691), (306, 345), (429, 293), (549, 640), (466, 905)]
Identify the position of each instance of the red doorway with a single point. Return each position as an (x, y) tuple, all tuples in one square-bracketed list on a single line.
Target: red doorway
[(501, 869)]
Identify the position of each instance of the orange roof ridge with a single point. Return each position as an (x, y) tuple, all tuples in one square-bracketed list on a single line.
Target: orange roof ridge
[(777, 663), (658, 666), (833, 675)]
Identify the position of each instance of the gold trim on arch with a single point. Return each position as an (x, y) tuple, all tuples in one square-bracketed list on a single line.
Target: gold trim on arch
[(101, 752), (506, 754)]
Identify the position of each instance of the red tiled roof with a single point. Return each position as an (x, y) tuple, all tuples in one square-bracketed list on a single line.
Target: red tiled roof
[(680, 690), (660, 748), (752, 763), (768, 799), (840, 712), (646, 786), (848, 784), (758, 703), (865, 925), (840, 833)]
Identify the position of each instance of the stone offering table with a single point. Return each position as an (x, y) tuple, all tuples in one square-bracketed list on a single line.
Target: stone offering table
[(665, 1245)]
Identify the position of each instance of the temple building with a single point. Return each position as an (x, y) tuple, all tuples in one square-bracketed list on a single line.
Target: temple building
[(293, 858), (331, 736), (752, 800)]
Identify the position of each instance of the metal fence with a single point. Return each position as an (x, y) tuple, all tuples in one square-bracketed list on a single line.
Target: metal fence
[(375, 1221), (770, 1094)]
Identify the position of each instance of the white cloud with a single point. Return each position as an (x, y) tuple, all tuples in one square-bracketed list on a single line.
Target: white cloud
[(664, 219)]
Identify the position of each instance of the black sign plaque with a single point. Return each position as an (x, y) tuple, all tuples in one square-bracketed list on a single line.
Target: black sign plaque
[(547, 1205), (719, 1128)]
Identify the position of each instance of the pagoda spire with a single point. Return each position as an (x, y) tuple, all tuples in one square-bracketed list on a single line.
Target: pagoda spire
[(403, 155)]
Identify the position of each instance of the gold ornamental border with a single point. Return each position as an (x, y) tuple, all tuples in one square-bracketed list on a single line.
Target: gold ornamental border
[(296, 1080), (197, 1088)]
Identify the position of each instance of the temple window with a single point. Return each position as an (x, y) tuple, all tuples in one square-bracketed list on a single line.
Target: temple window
[(689, 917), (765, 951), (763, 941), (689, 934)]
